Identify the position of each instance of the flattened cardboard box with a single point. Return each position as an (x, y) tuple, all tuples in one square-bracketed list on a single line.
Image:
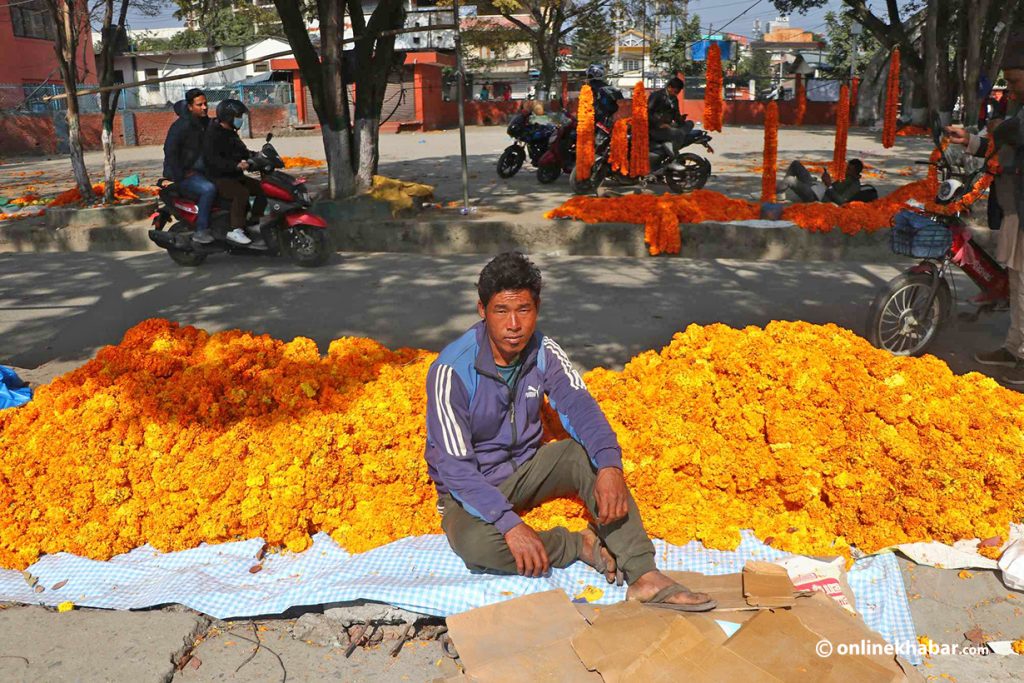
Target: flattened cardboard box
[(543, 637)]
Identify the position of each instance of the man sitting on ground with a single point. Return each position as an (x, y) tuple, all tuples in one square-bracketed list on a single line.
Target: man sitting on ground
[(483, 452), (803, 186)]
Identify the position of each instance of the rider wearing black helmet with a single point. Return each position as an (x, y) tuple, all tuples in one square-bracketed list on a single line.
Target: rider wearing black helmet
[(606, 96), (227, 159)]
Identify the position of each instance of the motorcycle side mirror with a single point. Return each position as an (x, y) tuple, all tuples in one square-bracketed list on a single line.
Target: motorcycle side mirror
[(270, 136)]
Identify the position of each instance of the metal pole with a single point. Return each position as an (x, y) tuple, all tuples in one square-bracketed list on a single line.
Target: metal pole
[(461, 94)]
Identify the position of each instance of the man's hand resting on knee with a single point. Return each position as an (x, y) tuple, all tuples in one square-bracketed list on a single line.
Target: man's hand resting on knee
[(611, 494), (528, 550)]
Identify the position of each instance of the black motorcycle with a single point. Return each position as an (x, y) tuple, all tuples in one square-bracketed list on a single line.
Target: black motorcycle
[(532, 138)]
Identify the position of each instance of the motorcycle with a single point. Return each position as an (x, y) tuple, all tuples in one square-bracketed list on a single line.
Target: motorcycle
[(906, 316), (529, 138), (561, 155), (681, 172), (288, 228)]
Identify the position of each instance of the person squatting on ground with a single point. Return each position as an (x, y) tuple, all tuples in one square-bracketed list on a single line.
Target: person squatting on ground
[(1006, 205), (227, 159), (666, 123), (183, 159), (805, 188), (483, 452)]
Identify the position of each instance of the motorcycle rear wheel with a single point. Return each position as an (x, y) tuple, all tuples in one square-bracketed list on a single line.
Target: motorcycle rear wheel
[(510, 161), (548, 174), (308, 246), (188, 259), (896, 322), (695, 173)]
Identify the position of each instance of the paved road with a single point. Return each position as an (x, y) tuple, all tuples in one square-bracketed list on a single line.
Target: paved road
[(602, 310)]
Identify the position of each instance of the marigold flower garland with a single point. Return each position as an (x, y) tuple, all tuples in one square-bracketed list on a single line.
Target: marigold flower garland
[(804, 433), (618, 155), (892, 99), (854, 94), (639, 161), (302, 162), (771, 151), (585, 134), (713, 97), (842, 133), (801, 100)]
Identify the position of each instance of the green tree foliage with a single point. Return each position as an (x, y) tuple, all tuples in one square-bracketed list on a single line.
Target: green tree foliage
[(839, 39), (672, 55), (756, 65), (593, 40)]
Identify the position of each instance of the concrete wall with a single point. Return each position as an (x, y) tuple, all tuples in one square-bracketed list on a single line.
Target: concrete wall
[(36, 134)]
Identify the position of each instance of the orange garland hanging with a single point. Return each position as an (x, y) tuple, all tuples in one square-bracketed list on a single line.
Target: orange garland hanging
[(639, 162), (892, 98), (801, 100), (771, 151), (585, 134), (842, 133), (854, 93), (618, 157), (713, 104)]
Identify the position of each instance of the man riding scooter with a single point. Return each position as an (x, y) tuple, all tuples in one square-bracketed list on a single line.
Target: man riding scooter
[(183, 159), (666, 122), (226, 159)]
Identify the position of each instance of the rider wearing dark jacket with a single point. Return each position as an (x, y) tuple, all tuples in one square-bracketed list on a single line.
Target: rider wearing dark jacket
[(183, 159), (666, 123), (227, 159)]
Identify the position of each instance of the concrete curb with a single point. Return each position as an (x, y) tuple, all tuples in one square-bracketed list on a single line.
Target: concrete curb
[(369, 229), (98, 217)]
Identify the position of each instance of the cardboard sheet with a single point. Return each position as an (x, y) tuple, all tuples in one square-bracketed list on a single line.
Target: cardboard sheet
[(767, 585)]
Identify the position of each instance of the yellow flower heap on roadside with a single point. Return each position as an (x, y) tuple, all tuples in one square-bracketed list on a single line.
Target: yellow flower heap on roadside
[(804, 433)]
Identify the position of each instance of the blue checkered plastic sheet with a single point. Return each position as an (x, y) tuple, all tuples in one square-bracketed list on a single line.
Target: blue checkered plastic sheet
[(420, 574)]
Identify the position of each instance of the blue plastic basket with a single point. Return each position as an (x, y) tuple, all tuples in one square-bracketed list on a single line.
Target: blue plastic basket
[(916, 235)]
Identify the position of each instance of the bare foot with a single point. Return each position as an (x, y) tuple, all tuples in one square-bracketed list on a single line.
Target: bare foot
[(590, 540), (648, 585)]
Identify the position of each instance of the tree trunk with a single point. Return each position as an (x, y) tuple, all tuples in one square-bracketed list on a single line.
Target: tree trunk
[(931, 57), (64, 15)]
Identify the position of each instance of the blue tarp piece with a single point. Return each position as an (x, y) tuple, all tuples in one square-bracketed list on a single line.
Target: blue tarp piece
[(13, 392)]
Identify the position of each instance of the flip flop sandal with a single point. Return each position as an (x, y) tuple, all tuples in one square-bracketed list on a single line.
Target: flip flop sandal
[(660, 599), (600, 564)]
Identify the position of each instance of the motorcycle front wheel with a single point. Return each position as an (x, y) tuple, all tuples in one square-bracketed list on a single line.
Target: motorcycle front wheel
[(898, 320), (693, 176), (590, 185), (510, 161), (308, 246)]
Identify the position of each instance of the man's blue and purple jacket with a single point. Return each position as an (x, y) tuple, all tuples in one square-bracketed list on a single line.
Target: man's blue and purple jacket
[(480, 429)]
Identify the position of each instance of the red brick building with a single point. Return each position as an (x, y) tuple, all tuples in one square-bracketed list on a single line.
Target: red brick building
[(27, 56)]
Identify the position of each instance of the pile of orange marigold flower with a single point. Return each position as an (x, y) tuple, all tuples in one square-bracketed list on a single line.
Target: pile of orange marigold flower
[(804, 433), (302, 162)]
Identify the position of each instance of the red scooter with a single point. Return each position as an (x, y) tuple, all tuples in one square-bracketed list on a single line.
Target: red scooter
[(288, 227), (906, 316), (561, 155)]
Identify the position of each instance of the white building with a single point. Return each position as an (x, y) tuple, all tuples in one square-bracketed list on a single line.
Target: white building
[(250, 82)]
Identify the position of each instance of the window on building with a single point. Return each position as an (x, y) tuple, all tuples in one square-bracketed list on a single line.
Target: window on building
[(118, 76), (261, 67), (630, 64), (32, 20), (153, 87)]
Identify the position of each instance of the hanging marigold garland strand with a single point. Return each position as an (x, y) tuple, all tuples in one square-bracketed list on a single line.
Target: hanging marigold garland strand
[(713, 104), (585, 134), (854, 94), (618, 157), (639, 163), (842, 132), (892, 99), (771, 151), (801, 100)]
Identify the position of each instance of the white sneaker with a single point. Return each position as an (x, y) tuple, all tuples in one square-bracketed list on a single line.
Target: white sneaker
[(238, 236)]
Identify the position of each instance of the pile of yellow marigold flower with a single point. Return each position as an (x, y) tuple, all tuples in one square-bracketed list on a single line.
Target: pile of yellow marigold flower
[(804, 433)]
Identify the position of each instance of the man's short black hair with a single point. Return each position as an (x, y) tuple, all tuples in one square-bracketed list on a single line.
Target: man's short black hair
[(192, 94), (856, 163), (675, 82), (508, 271)]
